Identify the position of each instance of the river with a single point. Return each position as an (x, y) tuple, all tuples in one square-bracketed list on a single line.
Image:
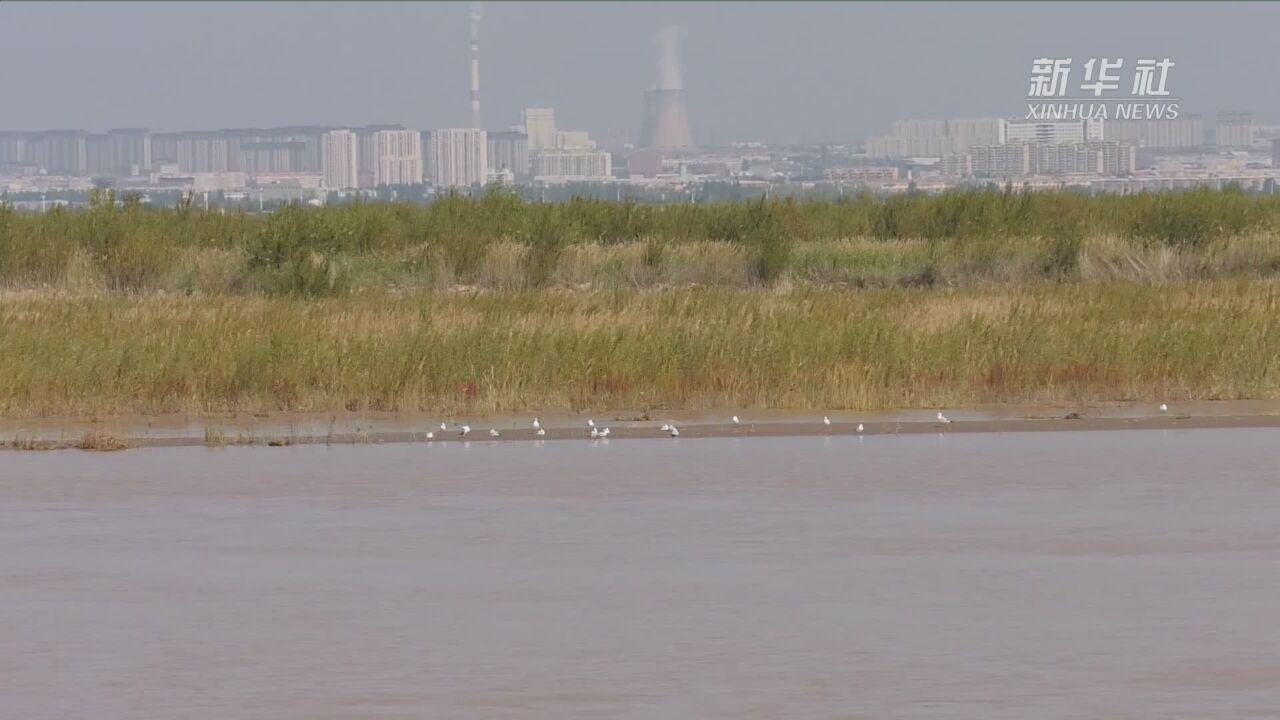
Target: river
[(1050, 575)]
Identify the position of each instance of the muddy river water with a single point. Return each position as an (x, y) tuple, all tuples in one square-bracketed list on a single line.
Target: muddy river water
[(1129, 574)]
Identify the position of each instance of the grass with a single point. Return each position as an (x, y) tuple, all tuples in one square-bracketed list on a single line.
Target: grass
[(500, 242), (497, 305), (102, 441), (556, 350)]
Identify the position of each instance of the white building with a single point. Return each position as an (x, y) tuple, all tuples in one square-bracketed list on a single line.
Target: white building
[(399, 157), (540, 126), (935, 138), (339, 159), (458, 157), (1053, 132), (574, 140), (576, 165), (1182, 132)]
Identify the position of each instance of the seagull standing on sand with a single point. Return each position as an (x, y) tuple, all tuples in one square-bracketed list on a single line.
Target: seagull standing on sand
[(430, 435), (594, 432), (826, 421), (735, 419), (943, 418), (540, 432), (666, 427), (604, 433), (1164, 407), (537, 424), (859, 427), (674, 431), (591, 423), (443, 427), (465, 429), (493, 432)]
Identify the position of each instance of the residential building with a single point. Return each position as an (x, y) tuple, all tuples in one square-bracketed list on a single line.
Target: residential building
[(935, 138), (1053, 132), (340, 152), (1000, 161), (1181, 132), (574, 140), (540, 127), (509, 151), (57, 152), (862, 174), (399, 157), (1233, 129), (130, 151), (457, 157), (564, 165)]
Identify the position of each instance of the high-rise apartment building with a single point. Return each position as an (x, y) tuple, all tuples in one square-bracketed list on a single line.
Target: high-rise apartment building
[(13, 148), (339, 151), (368, 152), (1054, 132), (581, 164), (1000, 161), (540, 126), (57, 152), (458, 157), (574, 140), (509, 151), (1233, 129), (935, 138), (398, 156), (1182, 132), (130, 150), (97, 154)]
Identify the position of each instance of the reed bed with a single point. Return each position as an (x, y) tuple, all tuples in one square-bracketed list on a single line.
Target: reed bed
[(500, 242), (550, 350)]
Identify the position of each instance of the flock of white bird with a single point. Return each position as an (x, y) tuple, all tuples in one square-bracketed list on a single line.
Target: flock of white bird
[(669, 428)]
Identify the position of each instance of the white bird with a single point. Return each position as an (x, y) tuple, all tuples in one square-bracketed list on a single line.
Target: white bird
[(604, 433), (735, 419), (674, 431), (430, 435), (443, 427), (540, 432), (595, 433), (859, 427), (943, 419), (465, 429), (591, 423), (666, 427), (1164, 407), (537, 424), (826, 420), (493, 432)]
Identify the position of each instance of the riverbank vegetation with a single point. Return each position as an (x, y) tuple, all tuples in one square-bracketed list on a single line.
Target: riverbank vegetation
[(495, 305), (499, 242), (556, 350)]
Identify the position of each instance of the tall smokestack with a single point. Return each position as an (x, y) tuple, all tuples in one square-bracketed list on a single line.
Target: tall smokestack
[(666, 122), (477, 10)]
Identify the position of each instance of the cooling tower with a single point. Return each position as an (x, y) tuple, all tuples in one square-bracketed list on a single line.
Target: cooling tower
[(666, 123)]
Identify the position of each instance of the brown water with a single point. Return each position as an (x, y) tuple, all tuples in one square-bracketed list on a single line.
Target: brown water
[(1043, 575)]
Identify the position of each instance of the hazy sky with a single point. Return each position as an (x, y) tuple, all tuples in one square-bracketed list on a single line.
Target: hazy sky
[(754, 70)]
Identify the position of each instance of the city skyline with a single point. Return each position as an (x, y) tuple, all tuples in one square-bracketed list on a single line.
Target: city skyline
[(795, 73)]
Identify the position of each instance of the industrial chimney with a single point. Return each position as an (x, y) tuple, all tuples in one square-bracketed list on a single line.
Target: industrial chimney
[(666, 124)]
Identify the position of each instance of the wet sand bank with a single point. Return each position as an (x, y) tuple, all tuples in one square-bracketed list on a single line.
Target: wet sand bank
[(311, 430)]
